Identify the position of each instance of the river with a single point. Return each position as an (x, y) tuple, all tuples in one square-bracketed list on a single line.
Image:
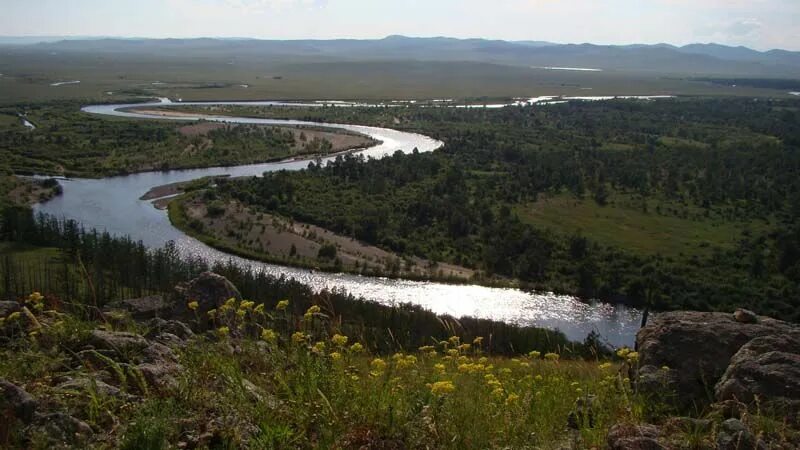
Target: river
[(113, 204)]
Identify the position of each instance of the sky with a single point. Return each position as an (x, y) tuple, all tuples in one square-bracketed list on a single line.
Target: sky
[(759, 24)]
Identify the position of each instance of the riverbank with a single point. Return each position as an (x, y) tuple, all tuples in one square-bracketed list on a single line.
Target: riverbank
[(276, 240)]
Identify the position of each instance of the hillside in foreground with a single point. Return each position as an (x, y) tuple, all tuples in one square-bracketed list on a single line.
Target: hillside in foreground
[(204, 368)]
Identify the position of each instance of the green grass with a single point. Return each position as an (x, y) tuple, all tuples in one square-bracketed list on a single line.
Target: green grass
[(625, 224)]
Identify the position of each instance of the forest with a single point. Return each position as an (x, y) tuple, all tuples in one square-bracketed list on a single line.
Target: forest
[(726, 170), (69, 142)]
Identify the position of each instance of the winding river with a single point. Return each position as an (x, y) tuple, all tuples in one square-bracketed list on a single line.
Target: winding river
[(113, 204)]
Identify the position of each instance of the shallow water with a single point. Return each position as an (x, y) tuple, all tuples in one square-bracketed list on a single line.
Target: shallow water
[(113, 204)]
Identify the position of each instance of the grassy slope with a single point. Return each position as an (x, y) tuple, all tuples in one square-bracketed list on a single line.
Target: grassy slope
[(313, 390)]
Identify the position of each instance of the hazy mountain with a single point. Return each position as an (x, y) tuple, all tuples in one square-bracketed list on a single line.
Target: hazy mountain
[(662, 58)]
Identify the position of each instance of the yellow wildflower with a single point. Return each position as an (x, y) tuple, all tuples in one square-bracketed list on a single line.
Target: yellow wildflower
[(318, 348), (298, 337), (314, 309), (406, 362), (623, 352), (283, 304), (13, 316), (538, 378), (378, 364), (440, 368), (632, 356), (269, 335), (552, 356), (498, 392), (246, 304), (454, 340), (426, 348), (193, 305), (357, 348), (223, 331), (464, 347), (336, 356), (212, 313), (240, 313), (259, 309), (35, 297), (534, 354), (664, 367), (339, 340), (452, 352), (604, 366), (478, 340), (442, 387), (511, 399)]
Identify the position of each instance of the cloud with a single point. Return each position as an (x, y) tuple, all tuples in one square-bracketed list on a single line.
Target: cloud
[(744, 27)]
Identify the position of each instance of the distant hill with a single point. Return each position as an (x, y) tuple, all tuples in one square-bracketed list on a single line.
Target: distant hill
[(705, 59)]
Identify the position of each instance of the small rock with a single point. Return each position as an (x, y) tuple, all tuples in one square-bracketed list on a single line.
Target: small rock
[(169, 339), (159, 326), (745, 316), (63, 428), (85, 384), (634, 437), (161, 376), (158, 353), (734, 435), (16, 401), (122, 342), (143, 308), (7, 308)]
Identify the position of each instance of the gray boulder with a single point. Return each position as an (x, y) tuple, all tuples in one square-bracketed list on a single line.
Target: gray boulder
[(209, 290), (634, 437), (697, 348), (16, 402), (159, 326), (766, 369)]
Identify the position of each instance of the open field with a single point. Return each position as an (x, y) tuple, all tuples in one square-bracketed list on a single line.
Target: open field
[(639, 225), (29, 77)]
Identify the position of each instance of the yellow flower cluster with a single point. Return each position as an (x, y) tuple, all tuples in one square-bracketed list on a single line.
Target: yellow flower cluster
[(471, 368), (552, 356), (477, 341), (193, 305), (404, 361), (442, 387), (269, 336), (282, 305), (311, 311), (534, 354), (318, 348), (339, 340), (378, 365), (298, 337), (357, 348)]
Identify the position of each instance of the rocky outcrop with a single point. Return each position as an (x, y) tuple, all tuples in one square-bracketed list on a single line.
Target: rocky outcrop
[(634, 437), (687, 352), (767, 370)]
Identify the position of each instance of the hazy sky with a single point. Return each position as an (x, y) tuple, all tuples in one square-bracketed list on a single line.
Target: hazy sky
[(762, 24)]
